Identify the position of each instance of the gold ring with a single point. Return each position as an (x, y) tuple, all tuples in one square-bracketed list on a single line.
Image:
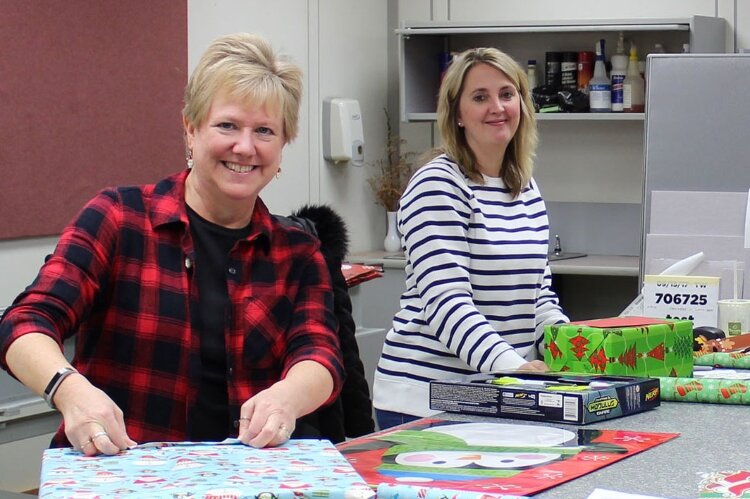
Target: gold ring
[(99, 434)]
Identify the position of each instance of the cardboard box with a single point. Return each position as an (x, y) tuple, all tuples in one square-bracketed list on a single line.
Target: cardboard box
[(621, 346), (553, 397)]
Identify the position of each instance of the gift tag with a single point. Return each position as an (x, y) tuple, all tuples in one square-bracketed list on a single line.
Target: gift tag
[(691, 298)]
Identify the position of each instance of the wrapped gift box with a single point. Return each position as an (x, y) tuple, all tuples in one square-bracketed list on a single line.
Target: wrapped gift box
[(731, 360), (300, 469), (621, 346), (706, 390)]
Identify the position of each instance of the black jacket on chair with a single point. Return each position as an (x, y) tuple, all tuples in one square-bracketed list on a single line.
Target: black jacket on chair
[(350, 415)]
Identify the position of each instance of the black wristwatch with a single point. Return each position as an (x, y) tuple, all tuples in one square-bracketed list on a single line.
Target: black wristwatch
[(54, 384)]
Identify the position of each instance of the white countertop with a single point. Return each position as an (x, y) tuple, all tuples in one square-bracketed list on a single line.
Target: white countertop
[(611, 265)]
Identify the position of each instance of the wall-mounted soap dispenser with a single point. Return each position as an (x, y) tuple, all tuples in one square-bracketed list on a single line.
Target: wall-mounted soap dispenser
[(343, 139)]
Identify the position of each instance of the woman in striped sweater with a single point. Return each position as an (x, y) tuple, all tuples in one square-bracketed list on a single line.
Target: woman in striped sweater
[(476, 233)]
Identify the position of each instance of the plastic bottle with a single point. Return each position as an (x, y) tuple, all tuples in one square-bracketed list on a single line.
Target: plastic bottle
[(633, 92), (531, 74), (553, 74), (585, 70), (600, 88), (618, 73), (569, 71)]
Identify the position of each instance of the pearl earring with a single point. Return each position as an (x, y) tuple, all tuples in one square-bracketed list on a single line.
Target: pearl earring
[(190, 159), (460, 123)]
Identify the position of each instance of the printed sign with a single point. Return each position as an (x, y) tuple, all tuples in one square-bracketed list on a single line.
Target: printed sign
[(691, 298)]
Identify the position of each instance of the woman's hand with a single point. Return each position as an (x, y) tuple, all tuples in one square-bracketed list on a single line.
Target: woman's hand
[(268, 418), (93, 422), (534, 365)]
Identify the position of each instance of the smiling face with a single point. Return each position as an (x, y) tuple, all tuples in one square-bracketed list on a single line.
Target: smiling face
[(489, 111), (236, 153)]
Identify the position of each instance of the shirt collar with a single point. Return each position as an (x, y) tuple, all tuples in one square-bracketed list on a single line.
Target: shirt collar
[(168, 207)]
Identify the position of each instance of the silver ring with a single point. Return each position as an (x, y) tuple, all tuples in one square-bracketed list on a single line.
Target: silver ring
[(284, 431), (98, 434)]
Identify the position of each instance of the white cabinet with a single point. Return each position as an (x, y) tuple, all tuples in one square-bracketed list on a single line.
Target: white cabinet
[(589, 166), (420, 45)]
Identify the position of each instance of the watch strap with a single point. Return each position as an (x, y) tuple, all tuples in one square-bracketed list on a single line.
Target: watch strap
[(54, 384)]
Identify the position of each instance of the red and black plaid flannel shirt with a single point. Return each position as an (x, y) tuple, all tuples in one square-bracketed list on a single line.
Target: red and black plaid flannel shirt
[(122, 277)]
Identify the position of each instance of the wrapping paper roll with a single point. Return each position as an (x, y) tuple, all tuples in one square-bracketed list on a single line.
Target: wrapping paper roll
[(386, 491), (714, 391), (724, 359)]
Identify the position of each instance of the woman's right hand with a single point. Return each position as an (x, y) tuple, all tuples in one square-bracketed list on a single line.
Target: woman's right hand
[(94, 424), (534, 365)]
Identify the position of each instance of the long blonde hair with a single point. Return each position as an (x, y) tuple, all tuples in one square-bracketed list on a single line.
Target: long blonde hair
[(518, 162)]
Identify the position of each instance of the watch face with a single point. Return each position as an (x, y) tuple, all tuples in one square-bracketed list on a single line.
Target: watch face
[(54, 384)]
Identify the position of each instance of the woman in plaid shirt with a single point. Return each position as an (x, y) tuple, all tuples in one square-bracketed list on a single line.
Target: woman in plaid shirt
[(197, 315)]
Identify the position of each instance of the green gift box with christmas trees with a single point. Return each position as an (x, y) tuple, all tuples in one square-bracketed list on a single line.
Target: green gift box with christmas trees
[(621, 346)]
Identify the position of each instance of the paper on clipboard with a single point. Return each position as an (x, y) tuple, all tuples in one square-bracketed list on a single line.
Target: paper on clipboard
[(682, 297)]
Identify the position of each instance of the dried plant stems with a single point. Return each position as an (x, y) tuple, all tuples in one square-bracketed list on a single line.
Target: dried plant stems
[(392, 173)]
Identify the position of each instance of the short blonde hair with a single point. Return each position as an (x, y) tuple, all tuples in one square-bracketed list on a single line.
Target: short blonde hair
[(244, 66), (518, 162)]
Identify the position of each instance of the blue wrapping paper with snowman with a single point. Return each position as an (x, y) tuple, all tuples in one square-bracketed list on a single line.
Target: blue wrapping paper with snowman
[(299, 469)]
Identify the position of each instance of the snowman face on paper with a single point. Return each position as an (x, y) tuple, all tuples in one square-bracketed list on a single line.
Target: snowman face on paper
[(506, 435), (463, 459)]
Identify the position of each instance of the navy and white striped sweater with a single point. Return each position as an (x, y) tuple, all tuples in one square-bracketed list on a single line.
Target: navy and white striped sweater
[(477, 284)]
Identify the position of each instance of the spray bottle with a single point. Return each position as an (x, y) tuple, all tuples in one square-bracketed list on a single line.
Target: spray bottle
[(633, 86), (600, 88), (618, 73)]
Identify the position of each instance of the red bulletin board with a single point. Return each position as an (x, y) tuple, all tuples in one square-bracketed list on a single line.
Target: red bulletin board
[(90, 96)]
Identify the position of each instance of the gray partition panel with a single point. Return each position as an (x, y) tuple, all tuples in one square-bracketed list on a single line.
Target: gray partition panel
[(697, 136)]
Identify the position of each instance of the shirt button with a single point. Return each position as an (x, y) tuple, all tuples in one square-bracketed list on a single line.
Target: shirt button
[(232, 270), (188, 263)]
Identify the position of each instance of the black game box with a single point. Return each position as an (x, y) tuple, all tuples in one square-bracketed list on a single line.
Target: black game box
[(554, 397)]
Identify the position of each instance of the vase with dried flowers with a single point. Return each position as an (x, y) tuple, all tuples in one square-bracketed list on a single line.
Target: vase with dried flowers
[(391, 175)]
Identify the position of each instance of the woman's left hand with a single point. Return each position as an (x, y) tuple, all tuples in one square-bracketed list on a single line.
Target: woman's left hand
[(534, 365), (268, 418)]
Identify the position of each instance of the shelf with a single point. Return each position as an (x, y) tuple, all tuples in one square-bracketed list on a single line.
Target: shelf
[(545, 27), (611, 265), (554, 116), (590, 116), (421, 45)]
